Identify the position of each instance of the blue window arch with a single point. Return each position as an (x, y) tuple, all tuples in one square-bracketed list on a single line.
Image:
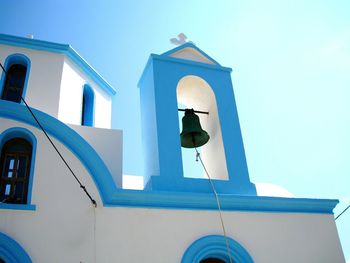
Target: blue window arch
[(17, 168), (87, 114), (11, 251), (214, 247), (14, 82)]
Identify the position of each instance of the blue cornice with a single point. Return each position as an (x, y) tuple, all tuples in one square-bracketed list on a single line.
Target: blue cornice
[(192, 201), (67, 50), (113, 196)]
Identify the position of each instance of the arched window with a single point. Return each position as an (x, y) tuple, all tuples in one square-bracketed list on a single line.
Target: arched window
[(15, 162), (14, 81), (87, 112)]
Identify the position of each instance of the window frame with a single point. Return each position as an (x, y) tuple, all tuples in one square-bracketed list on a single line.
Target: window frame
[(11, 60), (19, 132)]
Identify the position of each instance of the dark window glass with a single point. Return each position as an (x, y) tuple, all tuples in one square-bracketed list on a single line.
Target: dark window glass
[(87, 112), (83, 113), (14, 83), (16, 155), (212, 260)]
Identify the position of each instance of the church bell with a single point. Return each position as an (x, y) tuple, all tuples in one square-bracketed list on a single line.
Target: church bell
[(192, 134)]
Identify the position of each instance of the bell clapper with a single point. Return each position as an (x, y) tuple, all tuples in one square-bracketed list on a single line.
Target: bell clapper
[(197, 156)]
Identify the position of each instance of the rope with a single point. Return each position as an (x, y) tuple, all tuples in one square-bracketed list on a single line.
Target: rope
[(54, 146), (342, 212), (198, 156), (95, 246)]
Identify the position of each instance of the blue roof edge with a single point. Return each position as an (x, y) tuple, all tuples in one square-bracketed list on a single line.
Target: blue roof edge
[(62, 49)]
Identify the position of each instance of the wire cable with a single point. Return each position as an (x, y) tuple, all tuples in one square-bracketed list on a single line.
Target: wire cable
[(198, 156), (342, 212), (54, 146)]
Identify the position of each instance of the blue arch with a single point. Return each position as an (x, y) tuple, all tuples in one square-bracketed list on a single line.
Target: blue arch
[(20, 132), (214, 246), (16, 58), (71, 139), (11, 251), (88, 106)]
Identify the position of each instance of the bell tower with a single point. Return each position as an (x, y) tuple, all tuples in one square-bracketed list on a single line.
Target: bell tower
[(187, 76)]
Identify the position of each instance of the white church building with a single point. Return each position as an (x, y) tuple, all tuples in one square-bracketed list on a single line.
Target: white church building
[(45, 215)]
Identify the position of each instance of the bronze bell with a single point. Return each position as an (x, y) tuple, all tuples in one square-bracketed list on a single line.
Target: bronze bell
[(192, 134)]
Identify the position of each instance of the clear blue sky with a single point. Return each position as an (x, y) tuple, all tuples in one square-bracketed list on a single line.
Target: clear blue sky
[(291, 75)]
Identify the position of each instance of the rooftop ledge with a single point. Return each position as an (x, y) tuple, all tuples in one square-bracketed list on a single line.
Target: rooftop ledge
[(179, 200)]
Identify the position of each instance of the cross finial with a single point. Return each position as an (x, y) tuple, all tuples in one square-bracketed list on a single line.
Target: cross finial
[(181, 39)]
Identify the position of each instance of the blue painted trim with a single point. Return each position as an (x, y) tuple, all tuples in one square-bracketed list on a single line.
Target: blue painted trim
[(214, 246), (228, 202), (12, 59), (17, 207), (62, 49), (89, 105), (178, 61), (111, 196), (11, 251), (190, 45), (20, 132)]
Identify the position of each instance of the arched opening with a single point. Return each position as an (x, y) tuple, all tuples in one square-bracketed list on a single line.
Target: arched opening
[(87, 111), (194, 92), (15, 163), (15, 79)]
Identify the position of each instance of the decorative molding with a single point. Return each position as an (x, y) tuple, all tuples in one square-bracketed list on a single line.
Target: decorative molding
[(61, 49), (214, 246), (11, 251), (113, 196)]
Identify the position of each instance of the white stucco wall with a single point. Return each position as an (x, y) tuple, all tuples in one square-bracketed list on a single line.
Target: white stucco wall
[(71, 96), (44, 81), (65, 227), (108, 144)]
